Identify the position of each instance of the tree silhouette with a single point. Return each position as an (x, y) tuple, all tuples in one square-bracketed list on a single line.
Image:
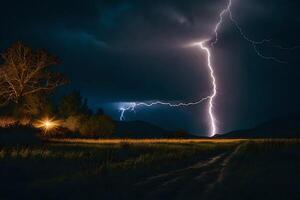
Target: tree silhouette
[(25, 72)]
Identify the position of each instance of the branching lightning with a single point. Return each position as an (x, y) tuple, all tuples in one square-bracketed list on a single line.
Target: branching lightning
[(252, 42), (213, 129), (133, 105), (221, 16), (204, 46)]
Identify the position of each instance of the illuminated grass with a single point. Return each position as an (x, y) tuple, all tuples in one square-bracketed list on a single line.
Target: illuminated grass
[(145, 141)]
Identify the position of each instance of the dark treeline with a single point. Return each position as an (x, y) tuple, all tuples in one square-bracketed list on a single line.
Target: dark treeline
[(27, 87)]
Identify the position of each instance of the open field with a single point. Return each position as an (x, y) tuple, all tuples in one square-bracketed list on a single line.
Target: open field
[(152, 169), (145, 141)]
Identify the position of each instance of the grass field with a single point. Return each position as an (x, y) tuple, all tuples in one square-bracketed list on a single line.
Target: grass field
[(152, 169), (145, 141)]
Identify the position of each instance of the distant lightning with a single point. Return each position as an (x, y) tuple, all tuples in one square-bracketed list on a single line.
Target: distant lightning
[(221, 16), (286, 47), (132, 106), (252, 42), (204, 47)]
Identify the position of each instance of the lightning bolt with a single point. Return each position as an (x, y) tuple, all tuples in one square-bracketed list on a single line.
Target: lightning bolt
[(214, 90), (252, 42), (213, 129), (133, 105), (203, 45)]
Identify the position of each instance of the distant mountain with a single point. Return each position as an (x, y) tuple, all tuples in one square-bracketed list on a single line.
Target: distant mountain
[(288, 127), (141, 129)]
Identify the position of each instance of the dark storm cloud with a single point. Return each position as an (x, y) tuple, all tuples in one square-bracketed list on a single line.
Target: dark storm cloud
[(136, 50), (113, 38)]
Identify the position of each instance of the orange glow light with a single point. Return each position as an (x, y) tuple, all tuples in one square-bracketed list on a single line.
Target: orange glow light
[(47, 124)]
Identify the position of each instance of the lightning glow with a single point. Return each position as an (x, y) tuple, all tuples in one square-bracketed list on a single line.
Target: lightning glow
[(204, 46)]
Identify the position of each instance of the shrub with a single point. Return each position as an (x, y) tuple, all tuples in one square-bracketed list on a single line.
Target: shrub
[(97, 126), (73, 123), (107, 126), (25, 121), (73, 104)]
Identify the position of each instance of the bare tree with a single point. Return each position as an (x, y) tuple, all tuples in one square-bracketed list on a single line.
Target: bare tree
[(25, 72)]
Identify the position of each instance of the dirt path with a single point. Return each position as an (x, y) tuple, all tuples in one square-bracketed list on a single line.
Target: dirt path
[(193, 182)]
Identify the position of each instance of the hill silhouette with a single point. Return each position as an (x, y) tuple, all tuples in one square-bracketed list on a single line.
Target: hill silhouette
[(286, 127), (141, 129)]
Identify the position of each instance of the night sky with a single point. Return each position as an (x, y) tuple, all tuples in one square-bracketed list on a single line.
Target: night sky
[(125, 51)]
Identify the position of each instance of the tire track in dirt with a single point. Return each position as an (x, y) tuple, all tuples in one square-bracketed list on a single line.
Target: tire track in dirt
[(222, 171), (192, 182)]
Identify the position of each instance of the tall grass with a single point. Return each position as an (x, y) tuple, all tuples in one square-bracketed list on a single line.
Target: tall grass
[(6, 122)]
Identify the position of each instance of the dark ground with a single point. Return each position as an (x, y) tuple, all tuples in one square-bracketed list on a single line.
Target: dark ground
[(253, 169)]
